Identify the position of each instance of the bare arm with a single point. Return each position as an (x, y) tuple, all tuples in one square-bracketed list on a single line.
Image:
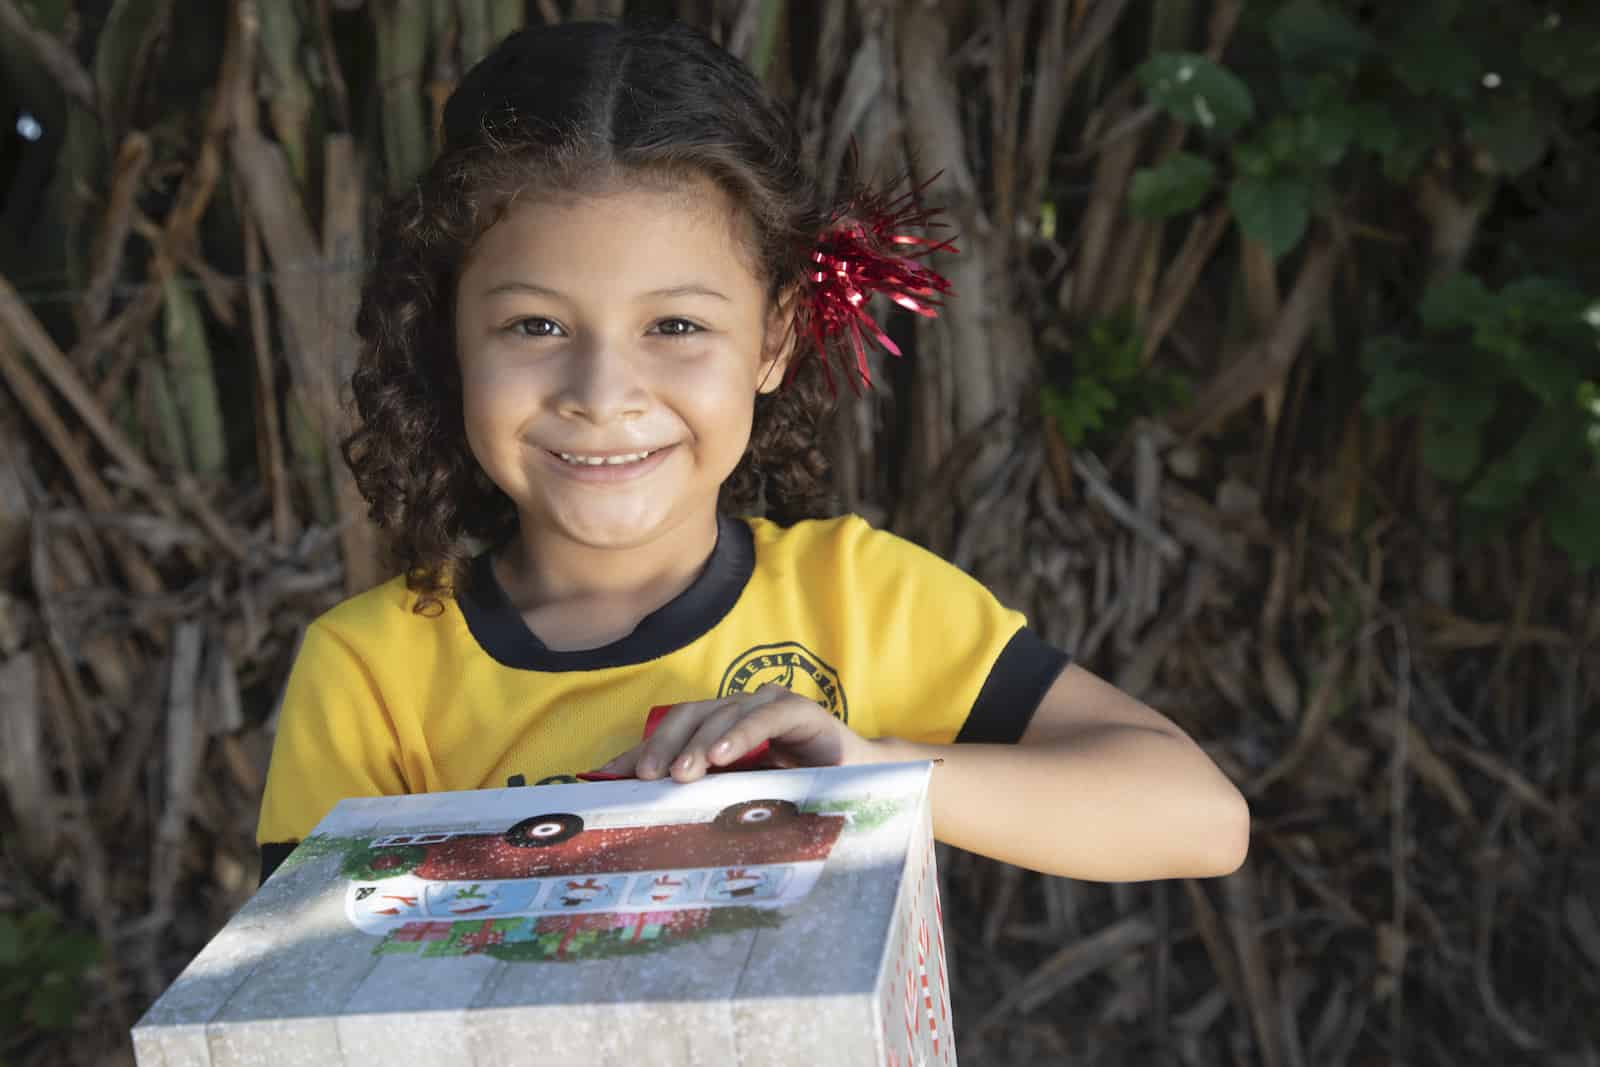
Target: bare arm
[(1101, 788)]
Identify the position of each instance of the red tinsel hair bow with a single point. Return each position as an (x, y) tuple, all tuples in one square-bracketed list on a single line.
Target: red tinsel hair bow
[(862, 251)]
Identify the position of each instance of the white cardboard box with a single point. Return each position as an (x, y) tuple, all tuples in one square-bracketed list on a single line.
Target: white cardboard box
[(756, 918)]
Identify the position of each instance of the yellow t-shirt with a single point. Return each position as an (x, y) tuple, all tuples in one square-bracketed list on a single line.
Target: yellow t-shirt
[(890, 638)]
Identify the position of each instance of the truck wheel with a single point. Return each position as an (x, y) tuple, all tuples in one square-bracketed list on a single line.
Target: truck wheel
[(755, 815), (541, 831)]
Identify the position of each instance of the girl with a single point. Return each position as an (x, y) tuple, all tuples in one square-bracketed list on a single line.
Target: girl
[(598, 331)]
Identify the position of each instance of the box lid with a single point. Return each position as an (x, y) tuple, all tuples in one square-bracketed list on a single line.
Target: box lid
[(751, 885)]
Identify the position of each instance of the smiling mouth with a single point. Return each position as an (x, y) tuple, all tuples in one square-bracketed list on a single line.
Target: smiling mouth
[(579, 459)]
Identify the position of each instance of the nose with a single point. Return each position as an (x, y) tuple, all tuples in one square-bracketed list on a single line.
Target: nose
[(602, 384)]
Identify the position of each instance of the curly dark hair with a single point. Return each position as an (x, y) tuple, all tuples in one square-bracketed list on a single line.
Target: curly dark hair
[(560, 109)]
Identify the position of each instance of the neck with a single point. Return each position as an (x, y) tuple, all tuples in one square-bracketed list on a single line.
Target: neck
[(576, 596)]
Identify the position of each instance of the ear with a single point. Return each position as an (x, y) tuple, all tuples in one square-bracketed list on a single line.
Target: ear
[(780, 341)]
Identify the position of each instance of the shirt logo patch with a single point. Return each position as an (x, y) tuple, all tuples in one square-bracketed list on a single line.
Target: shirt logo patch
[(791, 665)]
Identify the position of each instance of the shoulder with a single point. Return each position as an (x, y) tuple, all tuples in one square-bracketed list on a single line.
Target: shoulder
[(384, 618), (849, 560), (845, 540)]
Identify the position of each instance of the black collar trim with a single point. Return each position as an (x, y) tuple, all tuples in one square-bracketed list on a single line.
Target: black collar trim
[(500, 630)]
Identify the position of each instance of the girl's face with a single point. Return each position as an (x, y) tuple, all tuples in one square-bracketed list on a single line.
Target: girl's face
[(611, 349)]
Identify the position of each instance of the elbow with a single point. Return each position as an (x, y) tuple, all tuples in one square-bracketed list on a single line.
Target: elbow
[(1228, 834), (1215, 825), (1223, 837)]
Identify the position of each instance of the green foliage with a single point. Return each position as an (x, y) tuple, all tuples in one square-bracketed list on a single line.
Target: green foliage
[(1176, 186), (1102, 385), (1195, 90), (1273, 210), (1326, 77), (1338, 105), (194, 385), (1507, 385), (1565, 48), (42, 965), (1308, 31)]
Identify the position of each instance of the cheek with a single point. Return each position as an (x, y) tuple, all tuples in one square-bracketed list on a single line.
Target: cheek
[(488, 413), (720, 390), (734, 414), (488, 391)]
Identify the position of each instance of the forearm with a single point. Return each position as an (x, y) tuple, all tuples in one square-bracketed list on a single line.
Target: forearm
[(1112, 803)]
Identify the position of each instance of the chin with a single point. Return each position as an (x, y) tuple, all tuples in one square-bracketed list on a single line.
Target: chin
[(610, 531)]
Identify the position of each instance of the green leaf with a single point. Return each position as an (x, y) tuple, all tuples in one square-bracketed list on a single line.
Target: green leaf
[(1273, 210), (1376, 128), (1306, 31), (1176, 186), (1398, 131), (172, 447), (48, 15), (1109, 350), (10, 941), (70, 952), (1506, 480), (1546, 372), (1325, 134), (193, 382), (1388, 350), (1543, 301), (1456, 300), (1575, 522), (1392, 387), (53, 1003), (1589, 404), (1468, 404), (1451, 450), (1432, 60), (1197, 91), (1253, 158), (1280, 140), (1513, 133), (1566, 49), (1079, 409)]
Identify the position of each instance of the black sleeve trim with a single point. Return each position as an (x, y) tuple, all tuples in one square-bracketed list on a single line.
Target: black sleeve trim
[(273, 853), (1026, 669)]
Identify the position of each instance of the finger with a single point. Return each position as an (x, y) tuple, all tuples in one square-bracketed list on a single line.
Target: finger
[(673, 733), (795, 728), (625, 763), (663, 737), (697, 749), (692, 761)]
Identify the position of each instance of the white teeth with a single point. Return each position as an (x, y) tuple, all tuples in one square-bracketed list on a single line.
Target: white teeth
[(604, 461)]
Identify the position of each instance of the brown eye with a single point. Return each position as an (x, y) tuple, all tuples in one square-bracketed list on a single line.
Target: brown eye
[(535, 327), (678, 328)]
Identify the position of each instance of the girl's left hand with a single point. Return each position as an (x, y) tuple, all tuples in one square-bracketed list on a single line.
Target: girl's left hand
[(702, 734)]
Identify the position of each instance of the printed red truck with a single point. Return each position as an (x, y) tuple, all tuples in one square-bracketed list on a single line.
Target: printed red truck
[(759, 853)]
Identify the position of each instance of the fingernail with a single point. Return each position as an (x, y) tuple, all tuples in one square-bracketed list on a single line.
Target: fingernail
[(646, 770), (722, 748), (685, 763)]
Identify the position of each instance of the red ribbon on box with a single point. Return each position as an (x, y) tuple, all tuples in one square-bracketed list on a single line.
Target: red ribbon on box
[(750, 761)]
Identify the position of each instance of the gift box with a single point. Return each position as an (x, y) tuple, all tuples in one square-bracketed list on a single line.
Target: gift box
[(764, 917)]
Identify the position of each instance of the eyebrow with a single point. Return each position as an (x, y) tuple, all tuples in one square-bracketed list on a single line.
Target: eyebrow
[(688, 289)]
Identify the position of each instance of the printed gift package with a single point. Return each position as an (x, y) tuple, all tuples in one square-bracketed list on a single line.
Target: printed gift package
[(764, 917)]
